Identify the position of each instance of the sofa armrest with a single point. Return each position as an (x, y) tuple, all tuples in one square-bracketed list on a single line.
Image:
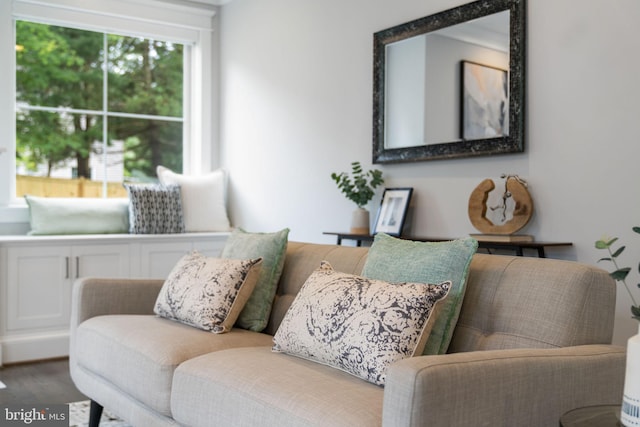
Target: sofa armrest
[(96, 297), (515, 387)]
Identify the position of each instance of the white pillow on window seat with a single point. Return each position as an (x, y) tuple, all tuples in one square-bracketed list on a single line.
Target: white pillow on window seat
[(203, 199), (69, 215)]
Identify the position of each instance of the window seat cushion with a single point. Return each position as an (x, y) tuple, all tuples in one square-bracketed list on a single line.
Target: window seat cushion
[(69, 215)]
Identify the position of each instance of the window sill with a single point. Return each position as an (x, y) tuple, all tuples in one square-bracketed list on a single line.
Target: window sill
[(14, 213)]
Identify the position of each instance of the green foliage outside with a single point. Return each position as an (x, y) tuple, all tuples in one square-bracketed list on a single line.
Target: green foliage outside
[(620, 273), (63, 67)]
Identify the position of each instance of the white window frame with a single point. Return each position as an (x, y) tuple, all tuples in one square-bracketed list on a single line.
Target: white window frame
[(191, 24)]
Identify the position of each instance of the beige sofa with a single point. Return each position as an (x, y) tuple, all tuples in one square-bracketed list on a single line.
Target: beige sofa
[(532, 342)]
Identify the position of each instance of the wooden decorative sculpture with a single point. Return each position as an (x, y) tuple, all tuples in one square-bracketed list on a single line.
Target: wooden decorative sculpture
[(506, 216)]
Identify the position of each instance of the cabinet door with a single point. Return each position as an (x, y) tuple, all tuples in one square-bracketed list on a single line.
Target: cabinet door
[(38, 287), (40, 280), (212, 248), (109, 260), (158, 258)]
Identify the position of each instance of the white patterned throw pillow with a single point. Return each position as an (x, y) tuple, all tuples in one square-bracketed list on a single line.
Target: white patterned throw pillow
[(356, 324), (207, 293), (155, 209)]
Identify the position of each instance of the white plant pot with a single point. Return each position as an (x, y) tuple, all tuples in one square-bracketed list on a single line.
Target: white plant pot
[(360, 221), (630, 414)]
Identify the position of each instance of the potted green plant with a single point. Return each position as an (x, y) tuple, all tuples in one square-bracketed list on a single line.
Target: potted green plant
[(629, 415), (619, 274), (359, 187)]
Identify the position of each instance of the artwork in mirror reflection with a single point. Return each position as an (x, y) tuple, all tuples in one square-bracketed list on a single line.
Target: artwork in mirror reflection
[(427, 89), (485, 101)]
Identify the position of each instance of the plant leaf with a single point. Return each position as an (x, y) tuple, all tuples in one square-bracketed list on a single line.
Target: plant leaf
[(601, 244), (604, 259), (620, 274), (618, 252), (636, 229), (635, 310), (612, 241)]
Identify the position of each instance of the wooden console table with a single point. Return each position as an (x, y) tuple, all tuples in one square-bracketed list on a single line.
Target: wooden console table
[(517, 247)]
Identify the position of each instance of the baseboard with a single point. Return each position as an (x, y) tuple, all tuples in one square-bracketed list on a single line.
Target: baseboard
[(24, 348)]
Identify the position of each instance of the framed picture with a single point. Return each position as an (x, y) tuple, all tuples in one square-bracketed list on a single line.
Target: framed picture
[(485, 102), (393, 211)]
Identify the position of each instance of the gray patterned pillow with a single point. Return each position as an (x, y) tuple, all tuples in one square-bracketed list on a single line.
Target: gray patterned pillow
[(356, 324), (207, 293), (155, 209)]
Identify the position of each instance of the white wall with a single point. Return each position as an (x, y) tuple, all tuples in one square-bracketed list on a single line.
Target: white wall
[(296, 86)]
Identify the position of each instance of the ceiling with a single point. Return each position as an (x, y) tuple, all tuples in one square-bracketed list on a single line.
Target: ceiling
[(490, 31)]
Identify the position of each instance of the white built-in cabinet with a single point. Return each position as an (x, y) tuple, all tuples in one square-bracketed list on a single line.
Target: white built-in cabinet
[(37, 275)]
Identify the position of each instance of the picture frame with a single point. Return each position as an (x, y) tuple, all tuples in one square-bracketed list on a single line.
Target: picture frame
[(484, 101), (393, 211)]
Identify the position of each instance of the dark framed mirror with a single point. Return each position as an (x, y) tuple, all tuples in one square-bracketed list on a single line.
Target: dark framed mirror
[(451, 84)]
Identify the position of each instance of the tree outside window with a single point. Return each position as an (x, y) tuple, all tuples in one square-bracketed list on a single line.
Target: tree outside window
[(94, 109)]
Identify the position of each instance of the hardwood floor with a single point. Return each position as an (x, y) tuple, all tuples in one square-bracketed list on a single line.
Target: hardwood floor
[(45, 382)]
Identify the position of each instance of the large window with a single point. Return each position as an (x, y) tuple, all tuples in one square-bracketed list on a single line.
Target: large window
[(94, 109), (102, 111)]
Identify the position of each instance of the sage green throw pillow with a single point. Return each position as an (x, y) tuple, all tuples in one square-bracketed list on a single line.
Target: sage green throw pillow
[(272, 248), (398, 260)]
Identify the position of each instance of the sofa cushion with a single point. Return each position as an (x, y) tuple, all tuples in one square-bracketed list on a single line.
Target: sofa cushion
[(395, 259), (302, 259), (356, 324), (498, 312), (139, 353), (207, 292), (255, 387), (271, 247), (155, 209), (203, 198), (69, 215)]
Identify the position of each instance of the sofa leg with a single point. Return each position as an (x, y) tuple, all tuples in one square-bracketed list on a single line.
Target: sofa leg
[(95, 412)]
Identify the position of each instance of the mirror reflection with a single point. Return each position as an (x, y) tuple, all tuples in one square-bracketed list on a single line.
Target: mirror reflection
[(451, 84), (424, 97)]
